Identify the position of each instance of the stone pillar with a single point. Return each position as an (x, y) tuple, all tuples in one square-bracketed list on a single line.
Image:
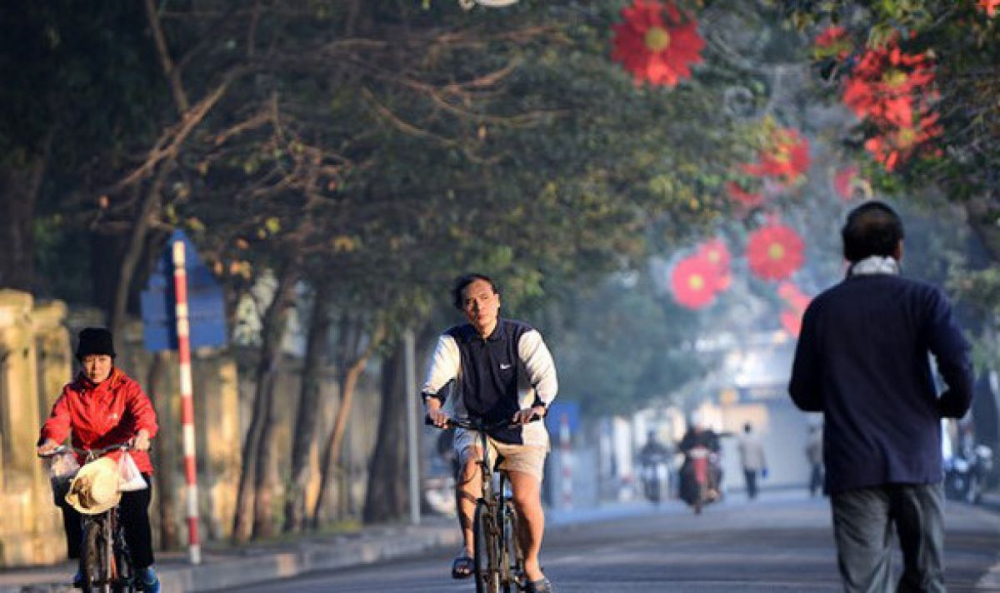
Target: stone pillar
[(19, 375), (30, 527), (55, 353)]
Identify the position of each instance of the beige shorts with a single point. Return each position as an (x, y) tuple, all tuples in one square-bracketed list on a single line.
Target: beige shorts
[(528, 459)]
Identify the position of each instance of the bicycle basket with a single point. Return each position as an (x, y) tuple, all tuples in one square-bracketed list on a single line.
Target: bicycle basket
[(62, 469)]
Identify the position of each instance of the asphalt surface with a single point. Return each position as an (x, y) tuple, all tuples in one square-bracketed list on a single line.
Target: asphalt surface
[(778, 543)]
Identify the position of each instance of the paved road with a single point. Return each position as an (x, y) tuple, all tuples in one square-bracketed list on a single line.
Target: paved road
[(779, 544)]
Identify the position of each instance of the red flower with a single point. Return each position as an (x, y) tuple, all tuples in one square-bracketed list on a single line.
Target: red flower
[(791, 317), (792, 322), (785, 159), (744, 197), (844, 182), (896, 145), (833, 42), (888, 85), (792, 295), (716, 253), (774, 252), (695, 282), (656, 44), (990, 6)]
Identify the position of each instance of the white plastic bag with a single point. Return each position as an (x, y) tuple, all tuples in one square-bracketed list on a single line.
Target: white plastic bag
[(62, 468), (129, 476)]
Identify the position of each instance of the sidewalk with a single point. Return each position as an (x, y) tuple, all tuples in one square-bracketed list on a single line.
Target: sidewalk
[(239, 567), (223, 567)]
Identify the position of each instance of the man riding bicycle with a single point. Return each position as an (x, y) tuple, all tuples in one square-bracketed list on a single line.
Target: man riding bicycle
[(502, 371), (105, 407)]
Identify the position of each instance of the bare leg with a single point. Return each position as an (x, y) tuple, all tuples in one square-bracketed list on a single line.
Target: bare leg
[(527, 492), (467, 491)]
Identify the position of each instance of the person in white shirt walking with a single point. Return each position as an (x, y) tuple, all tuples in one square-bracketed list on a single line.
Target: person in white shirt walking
[(752, 459)]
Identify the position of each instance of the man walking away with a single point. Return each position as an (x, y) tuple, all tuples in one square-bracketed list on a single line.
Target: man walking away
[(752, 459), (863, 360), (814, 453)]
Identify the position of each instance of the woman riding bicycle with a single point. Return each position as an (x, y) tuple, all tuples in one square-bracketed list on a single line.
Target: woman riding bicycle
[(104, 407)]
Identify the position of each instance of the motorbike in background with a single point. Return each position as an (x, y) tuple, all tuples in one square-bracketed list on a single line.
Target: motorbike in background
[(966, 473), (655, 478), (699, 478)]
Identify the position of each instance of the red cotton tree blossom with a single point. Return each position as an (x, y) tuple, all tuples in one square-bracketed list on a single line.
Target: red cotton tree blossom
[(990, 7), (656, 43), (896, 145), (844, 182), (745, 198), (785, 158), (833, 42), (774, 252), (889, 85)]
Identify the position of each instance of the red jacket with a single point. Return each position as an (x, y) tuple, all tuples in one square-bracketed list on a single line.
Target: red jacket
[(102, 415)]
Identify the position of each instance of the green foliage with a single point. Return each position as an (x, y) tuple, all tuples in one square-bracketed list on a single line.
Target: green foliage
[(629, 346)]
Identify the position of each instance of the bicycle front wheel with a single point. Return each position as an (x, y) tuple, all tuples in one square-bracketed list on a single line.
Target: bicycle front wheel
[(96, 559), (513, 557), (486, 557)]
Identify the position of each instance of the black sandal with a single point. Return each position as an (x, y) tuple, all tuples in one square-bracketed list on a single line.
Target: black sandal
[(462, 567), (540, 586)]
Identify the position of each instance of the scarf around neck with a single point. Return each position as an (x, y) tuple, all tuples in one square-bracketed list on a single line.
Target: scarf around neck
[(875, 264)]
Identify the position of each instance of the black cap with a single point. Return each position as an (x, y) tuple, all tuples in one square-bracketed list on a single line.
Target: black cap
[(95, 340)]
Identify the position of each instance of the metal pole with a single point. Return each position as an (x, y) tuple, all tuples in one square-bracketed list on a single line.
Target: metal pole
[(566, 462), (187, 400), (412, 427)]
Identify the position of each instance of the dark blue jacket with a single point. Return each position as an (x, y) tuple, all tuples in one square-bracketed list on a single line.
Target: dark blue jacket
[(863, 360)]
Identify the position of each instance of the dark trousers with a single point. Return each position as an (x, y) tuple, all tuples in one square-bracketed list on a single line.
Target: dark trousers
[(816, 479), (862, 522), (751, 476), (133, 512)]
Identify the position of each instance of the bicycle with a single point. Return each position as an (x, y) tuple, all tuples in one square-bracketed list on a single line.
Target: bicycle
[(105, 559), (498, 560)]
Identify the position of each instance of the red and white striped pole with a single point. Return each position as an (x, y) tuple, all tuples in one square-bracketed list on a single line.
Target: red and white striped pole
[(187, 400), (567, 466)]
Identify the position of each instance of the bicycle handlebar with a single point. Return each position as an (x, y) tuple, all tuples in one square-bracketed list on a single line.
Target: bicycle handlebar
[(87, 452), (477, 424)]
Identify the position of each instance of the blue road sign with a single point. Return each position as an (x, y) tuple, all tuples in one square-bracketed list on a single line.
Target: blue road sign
[(206, 309), (557, 410)]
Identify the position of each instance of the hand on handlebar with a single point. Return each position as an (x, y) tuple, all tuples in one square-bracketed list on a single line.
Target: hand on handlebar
[(437, 418), (141, 441), (528, 415), (47, 448)]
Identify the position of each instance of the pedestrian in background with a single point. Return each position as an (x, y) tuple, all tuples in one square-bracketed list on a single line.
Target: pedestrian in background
[(863, 360), (814, 453), (751, 459)]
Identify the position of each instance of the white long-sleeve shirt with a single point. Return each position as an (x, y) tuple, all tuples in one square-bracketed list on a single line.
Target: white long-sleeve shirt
[(494, 377)]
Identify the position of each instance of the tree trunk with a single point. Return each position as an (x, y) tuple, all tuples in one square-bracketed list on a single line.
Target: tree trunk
[(20, 181), (273, 330), (386, 498), (265, 476), (349, 369), (165, 448), (307, 415), (148, 206)]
